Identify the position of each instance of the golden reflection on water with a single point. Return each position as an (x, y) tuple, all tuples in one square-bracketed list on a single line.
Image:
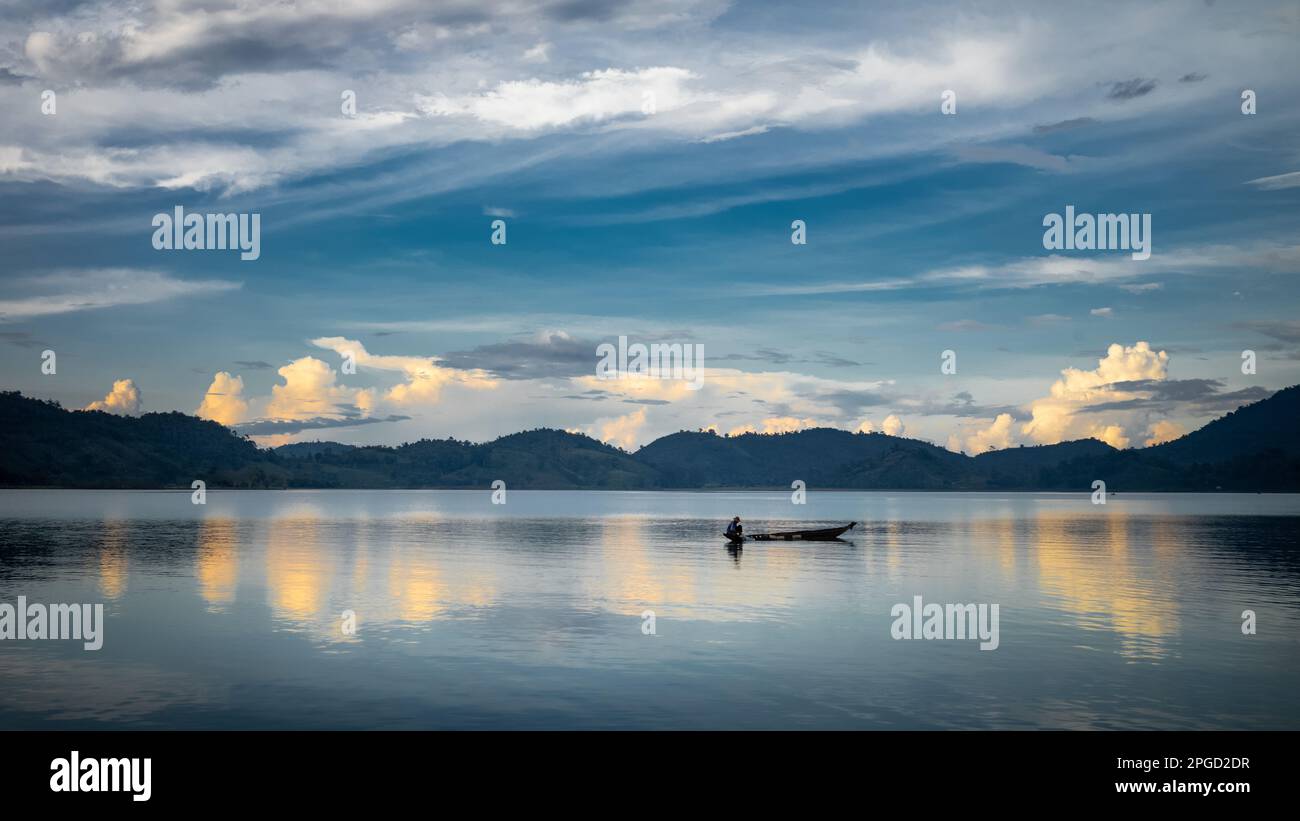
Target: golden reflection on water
[(891, 540), (113, 563), (361, 553), (1001, 533), (424, 583), (403, 571), (217, 561), (386, 572), (296, 570), (1098, 580), (628, 581), (415, 588), (634, 570)]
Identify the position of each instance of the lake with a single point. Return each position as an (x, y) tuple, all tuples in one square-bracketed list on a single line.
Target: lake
[(566, 609)]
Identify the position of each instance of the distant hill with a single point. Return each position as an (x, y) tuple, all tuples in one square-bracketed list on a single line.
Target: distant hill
[(1256, 447), (544, 459), (43, 445), (1044, 467), (306, 450), (828, 457), (1270, 425)]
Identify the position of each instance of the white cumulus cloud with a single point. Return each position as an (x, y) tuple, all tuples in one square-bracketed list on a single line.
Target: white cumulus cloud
[(123, 399)]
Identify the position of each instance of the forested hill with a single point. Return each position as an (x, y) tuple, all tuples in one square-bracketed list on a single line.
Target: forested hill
[(43, 445)]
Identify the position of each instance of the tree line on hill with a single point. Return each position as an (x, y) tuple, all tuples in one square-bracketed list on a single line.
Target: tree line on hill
[(1255, 448)]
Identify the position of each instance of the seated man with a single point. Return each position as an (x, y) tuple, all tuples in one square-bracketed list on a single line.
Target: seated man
[(735, 529)]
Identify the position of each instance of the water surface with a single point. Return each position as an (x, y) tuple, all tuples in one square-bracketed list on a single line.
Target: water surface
[(531, 614)]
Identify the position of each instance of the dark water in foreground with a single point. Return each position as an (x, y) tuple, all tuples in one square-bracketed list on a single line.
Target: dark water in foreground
[(529, 614)]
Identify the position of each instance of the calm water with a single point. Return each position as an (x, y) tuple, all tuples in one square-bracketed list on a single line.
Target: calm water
[(529, 615)]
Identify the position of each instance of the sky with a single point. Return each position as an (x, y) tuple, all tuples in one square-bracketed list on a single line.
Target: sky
[(648, 161)]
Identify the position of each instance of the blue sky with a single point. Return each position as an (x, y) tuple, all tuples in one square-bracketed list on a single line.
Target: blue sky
[(667, 222)]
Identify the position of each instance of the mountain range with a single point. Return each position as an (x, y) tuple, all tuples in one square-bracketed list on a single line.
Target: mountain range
[(1255, 448)]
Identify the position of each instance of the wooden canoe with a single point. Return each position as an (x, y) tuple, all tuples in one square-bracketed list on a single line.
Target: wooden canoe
[(826, 534)]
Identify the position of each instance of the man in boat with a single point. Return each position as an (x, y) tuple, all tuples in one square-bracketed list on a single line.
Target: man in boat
[(735, 529)]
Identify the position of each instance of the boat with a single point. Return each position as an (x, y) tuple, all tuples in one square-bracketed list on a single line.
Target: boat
[(827, 534)]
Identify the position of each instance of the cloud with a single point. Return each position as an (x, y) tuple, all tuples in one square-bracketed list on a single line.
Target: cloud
[(1193, 77), (185, 95), (547, 354), (310, 390), (1163, 430), (68, 291), (1064, 125), (773, 425), (123, 399), (286, 427), (539, 53), (272, 128), (781, 393), (1061, 415), (167, 44), (813, 90), (235, 93), (752, 131), (1103, 312), (312, 396), (1020, 155), (593, 97), (423, 377), (1279, 181), (852, 402), (621, 431), (962, 404), (1126, 397), (1130, 89), (1058, 269), (1283, 330), (1203, 396), (996, 436), (775, 357), (224, 401), (893, 425), (1142, 287)]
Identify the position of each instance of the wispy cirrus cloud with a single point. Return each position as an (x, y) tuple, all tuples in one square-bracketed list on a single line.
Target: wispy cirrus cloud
[(1064, 125), (444, 73), (1022, 155), (1057, 269), (86, 289), (1278, 181)]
